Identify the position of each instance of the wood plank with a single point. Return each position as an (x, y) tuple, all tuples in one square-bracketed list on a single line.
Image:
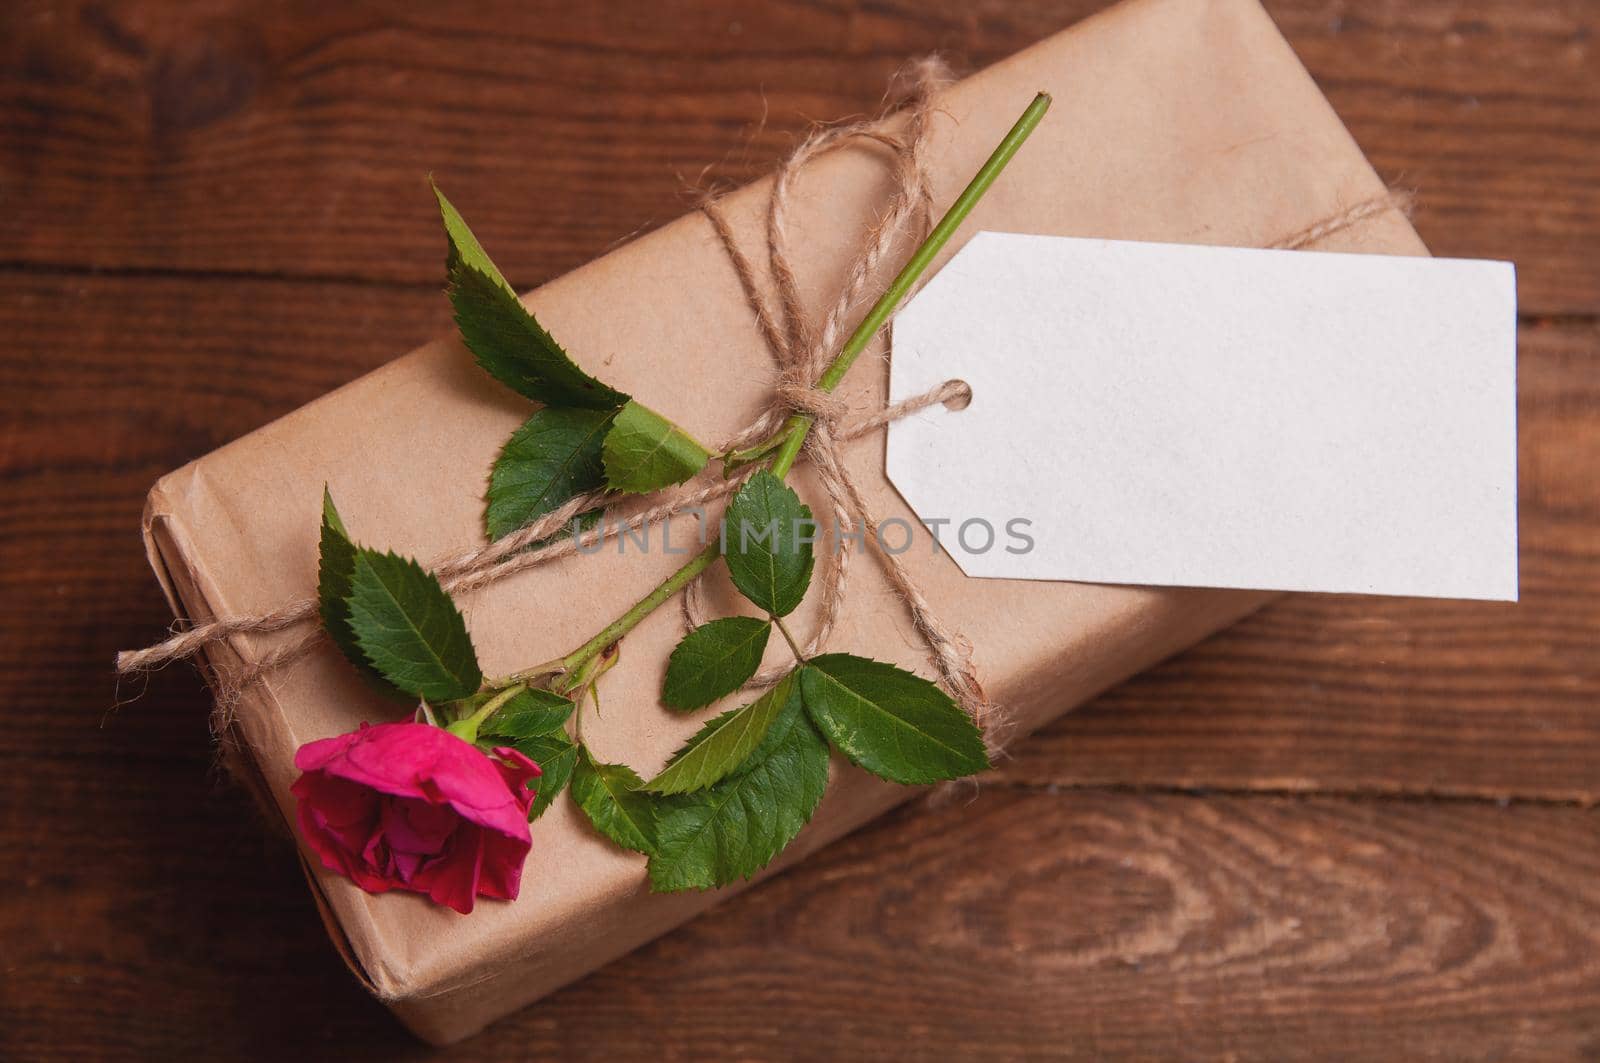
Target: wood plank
[(1315, 693), (113, 381), (1324, 692), (249, 180), (1490, 110), (1076, 924), (149, 136), (1158, 927)]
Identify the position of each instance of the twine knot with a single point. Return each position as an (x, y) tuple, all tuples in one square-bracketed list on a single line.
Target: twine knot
[(797, 348), (799, 395)]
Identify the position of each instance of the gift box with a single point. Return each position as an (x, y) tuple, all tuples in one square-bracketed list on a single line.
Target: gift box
[(1174, 120)]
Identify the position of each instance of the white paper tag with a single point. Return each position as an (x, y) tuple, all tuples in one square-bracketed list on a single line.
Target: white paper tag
[(1217, 417)]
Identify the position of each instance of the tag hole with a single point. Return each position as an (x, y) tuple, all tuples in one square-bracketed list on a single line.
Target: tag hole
[(959, 399)]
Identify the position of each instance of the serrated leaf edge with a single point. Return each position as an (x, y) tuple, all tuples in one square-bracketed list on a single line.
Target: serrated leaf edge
[(467, 688), (609, 458), (587, 762), (712, 728), (772, 573), (604, 427), (766, 636), (811, 666), (541, 803), (488, 731)]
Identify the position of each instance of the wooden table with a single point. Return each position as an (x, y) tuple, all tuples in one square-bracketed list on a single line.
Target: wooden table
[(1348, 827)]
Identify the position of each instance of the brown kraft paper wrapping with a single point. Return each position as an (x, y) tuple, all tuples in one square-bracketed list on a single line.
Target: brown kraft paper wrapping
[(1174, 120)]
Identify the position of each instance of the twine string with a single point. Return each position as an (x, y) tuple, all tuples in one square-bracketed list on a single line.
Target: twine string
[(798, 347), (799, 350)]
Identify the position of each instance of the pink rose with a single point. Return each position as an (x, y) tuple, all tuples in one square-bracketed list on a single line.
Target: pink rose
[(410, 806)]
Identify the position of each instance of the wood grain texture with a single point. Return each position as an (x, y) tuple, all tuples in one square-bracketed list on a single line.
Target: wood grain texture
[(157, 137), (1026, 923), (1318, 692), (214, 212), (1385, 695)]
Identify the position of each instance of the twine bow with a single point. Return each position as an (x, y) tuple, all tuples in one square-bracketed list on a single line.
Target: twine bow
[(798, 349)]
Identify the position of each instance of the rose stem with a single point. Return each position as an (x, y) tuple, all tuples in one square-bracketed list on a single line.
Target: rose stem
[(794, 431), (466, 728), (793, 645)]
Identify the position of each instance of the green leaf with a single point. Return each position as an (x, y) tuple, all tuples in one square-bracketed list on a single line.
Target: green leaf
[(735, 828), (608, 795), (336, 570), (766, 544), (508, 342), (645, 452), (556, 755), (890, 722), (409, 629), (726, 743), (714, 660), (552, 458), (530, 713)]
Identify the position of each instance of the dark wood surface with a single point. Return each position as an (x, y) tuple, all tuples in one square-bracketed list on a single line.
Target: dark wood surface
[(1347, 828)]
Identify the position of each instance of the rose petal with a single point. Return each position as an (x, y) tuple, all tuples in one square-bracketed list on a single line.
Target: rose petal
[(519, 771), (338, 841), (502, 866), (418, 827), (452, 878), (416, 760), (411, 806)]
